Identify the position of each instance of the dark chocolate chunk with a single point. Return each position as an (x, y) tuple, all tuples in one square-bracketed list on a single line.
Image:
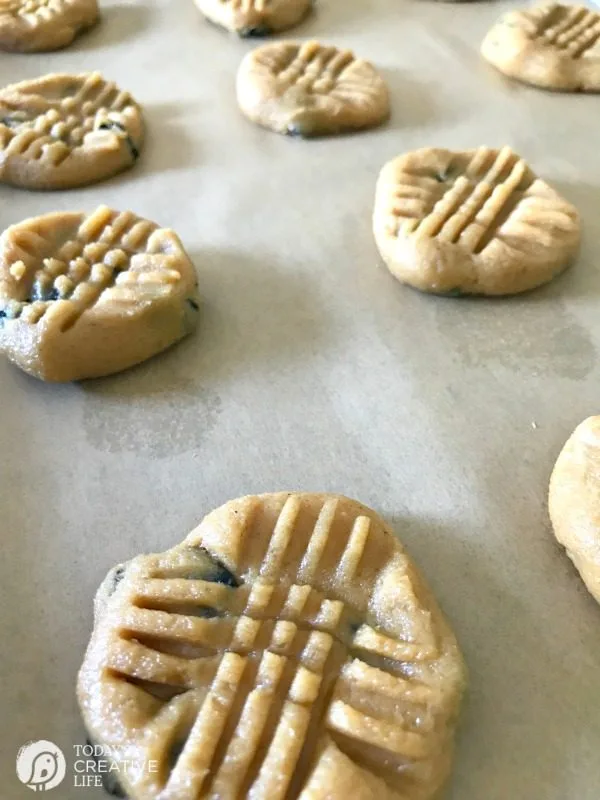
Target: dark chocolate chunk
[(135, 153), (12, 312), (11, 122), (221, 574), (294, 130), (36, 293), (45, 293), (214, 572), (206, 612), (175, 751), (110, 783), (117, 577), (256, 32), (193, 304), (111, 125)]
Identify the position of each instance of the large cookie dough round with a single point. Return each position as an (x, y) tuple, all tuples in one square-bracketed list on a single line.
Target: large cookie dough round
[(549, 45), (84, 295), (310, 89), (287, 648), (62, 131), (255, 17), (574, 501), (473, 222), (29, 26)]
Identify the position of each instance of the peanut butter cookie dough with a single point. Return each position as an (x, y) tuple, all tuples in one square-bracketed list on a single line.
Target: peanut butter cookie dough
[(310, 89), (550, 45), (473, 222), (287, 648), (255, 17), (574, 501), (62, 131), (28, 26), (84, 295)]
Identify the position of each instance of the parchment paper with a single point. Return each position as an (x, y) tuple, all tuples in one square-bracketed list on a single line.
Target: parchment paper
[(314, 369)]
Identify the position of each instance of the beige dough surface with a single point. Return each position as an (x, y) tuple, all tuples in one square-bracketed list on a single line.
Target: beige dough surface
[(574, 501), (84, 295), (288, 647), (255, 17), (473, 222), (310, 89), (62, 131), (549, 45), (29, 26)]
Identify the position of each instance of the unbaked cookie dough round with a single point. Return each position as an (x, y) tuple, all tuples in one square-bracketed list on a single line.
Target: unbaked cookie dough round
[(574, 501), (473, 222), (85, 295), (310, 89), (28, 26), (255, 17), (62, 131), (288, 647), (549, 45)]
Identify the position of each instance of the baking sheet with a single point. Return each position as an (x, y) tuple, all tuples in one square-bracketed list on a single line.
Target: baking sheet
[(313, 369)]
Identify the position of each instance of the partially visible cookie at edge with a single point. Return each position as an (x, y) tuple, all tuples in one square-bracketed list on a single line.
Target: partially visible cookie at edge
[(85, 295), (287, 647), (61, 131), (549, 45), (472, 222), (574, 501), (309, 89), (255, 18), (28, 26)]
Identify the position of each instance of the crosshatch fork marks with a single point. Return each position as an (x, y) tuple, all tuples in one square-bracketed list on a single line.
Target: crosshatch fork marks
[(575, 29), (252, 705), (248, 5), (90, 262), (313, 67), (67, 119), (485, 191), (273, 657), (46, 9), (87, 261)]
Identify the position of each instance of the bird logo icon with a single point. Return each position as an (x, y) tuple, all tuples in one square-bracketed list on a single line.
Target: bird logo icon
[(43, 770), (41, 765)]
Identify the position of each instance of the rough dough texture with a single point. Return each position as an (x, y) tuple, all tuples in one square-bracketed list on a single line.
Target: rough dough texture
[(84, 295), (549, 45), (62, 131), (574, 501), (255, 17), (287, 648), (474, 222), (29, 26), (310, 89)]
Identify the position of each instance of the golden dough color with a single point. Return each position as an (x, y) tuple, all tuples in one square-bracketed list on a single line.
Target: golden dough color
[(85, 295), (287, 648), (310, 89), (29, 26), (254, 17), (62, 131), (473, 222), (574, 501), (550, 45)]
